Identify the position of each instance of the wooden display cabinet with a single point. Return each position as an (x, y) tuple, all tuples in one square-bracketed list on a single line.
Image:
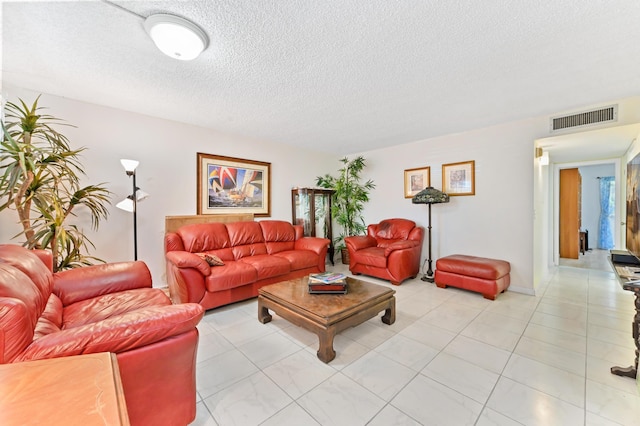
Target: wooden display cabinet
[(311, 208)]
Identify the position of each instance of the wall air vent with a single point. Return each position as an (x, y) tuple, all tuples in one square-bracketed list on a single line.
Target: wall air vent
[(586, 118)]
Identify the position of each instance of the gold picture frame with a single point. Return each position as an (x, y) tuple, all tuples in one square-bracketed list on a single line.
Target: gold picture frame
[(415, 180), (227, 185), (459, 178)]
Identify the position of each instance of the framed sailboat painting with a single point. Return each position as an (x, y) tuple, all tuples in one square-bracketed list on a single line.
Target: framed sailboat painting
[(228, 185)]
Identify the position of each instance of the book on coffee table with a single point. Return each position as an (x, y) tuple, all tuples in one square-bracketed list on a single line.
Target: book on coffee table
[(327, 278), (328, 287), (322, 290), (336, 285)]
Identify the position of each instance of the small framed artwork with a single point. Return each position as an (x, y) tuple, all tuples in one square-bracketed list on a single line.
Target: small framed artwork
[(415, 180), (459, 178), (229, 185)]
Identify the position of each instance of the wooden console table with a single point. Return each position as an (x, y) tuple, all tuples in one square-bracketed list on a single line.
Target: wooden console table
[(73, 390), (634, 287)]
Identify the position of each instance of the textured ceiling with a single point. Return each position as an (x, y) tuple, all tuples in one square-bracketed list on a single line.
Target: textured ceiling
[(336, 75)]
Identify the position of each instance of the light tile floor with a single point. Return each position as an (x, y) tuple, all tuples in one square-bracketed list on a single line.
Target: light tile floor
[(451, 358)]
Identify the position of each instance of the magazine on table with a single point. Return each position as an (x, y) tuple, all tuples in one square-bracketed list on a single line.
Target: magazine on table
[(327, 277)]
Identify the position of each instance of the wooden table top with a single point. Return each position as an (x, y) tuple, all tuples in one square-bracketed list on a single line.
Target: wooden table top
[(326, 308), (75, 390)]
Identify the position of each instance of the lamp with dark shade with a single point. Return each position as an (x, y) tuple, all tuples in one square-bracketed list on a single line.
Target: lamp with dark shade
[(429, 196)]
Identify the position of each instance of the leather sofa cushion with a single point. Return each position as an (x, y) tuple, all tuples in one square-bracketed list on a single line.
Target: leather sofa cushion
[(246, 239), (278, 235), (299, 259), (267, 265), (279, 246), (203, 237), (232, 274), (394, 229), (386, 243), (244, 233), (111, 305), (51, 319), (240, 252), (372, 256)]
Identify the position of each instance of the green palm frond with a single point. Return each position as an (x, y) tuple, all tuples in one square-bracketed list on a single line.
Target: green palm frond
[(40, 179), (349, 197)]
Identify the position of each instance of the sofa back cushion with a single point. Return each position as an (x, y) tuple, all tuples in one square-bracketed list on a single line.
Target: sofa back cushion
[(204, 237), (394, 229), (246, 239), (278, 235)]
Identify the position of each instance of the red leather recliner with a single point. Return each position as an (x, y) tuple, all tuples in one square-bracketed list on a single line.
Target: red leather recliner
[(103, 308), (390, 250)]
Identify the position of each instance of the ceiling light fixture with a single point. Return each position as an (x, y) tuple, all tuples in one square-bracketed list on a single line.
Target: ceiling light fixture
[(176, 37)]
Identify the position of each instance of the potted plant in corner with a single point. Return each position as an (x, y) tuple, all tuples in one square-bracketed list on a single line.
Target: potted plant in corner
[(348, 200), (41, 181)]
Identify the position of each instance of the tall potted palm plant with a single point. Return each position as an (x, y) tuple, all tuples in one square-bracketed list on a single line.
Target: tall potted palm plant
[(348, 201), (41, 181)]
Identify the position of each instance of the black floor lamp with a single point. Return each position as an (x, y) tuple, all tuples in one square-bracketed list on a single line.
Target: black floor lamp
[(130, 203), (430, 196)]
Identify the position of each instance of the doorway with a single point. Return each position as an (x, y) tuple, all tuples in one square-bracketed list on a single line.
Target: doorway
[(594, 244)]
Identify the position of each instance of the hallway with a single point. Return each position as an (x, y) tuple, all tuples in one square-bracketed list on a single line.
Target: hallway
[(592, 259)]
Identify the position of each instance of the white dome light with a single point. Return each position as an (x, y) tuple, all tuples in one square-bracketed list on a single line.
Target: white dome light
[(176, 37)]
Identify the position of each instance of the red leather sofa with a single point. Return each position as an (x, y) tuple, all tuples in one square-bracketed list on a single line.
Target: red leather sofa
[(254, 254), (391, 250), (103, 308)]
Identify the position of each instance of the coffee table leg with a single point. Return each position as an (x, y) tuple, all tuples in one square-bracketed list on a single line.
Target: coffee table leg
[(263, 313), (389, 316), (325, 351)]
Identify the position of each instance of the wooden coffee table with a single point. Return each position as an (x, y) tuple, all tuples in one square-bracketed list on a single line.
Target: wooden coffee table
[(326, 314)]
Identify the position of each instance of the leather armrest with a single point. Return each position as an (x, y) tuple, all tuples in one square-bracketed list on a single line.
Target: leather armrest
[(185, 259), (87, 282), (313, 244), (359, 242), (400, 245), (117, 334), (416, 234)]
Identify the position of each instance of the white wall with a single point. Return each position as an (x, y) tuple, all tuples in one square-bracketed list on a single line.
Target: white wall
[(167, 171), (542, 222)]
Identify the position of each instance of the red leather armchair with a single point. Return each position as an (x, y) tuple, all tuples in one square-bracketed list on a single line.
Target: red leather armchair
[(103, 308), (390, 250)]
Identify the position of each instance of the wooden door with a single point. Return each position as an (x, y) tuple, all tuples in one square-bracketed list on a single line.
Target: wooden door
[(570, 213)]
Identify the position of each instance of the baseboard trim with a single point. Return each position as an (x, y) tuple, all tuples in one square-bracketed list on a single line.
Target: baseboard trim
[(523, 290)]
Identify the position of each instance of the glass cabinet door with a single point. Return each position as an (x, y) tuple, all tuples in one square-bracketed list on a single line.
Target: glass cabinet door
[(302, 212), (322, 215), (311, 208)]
